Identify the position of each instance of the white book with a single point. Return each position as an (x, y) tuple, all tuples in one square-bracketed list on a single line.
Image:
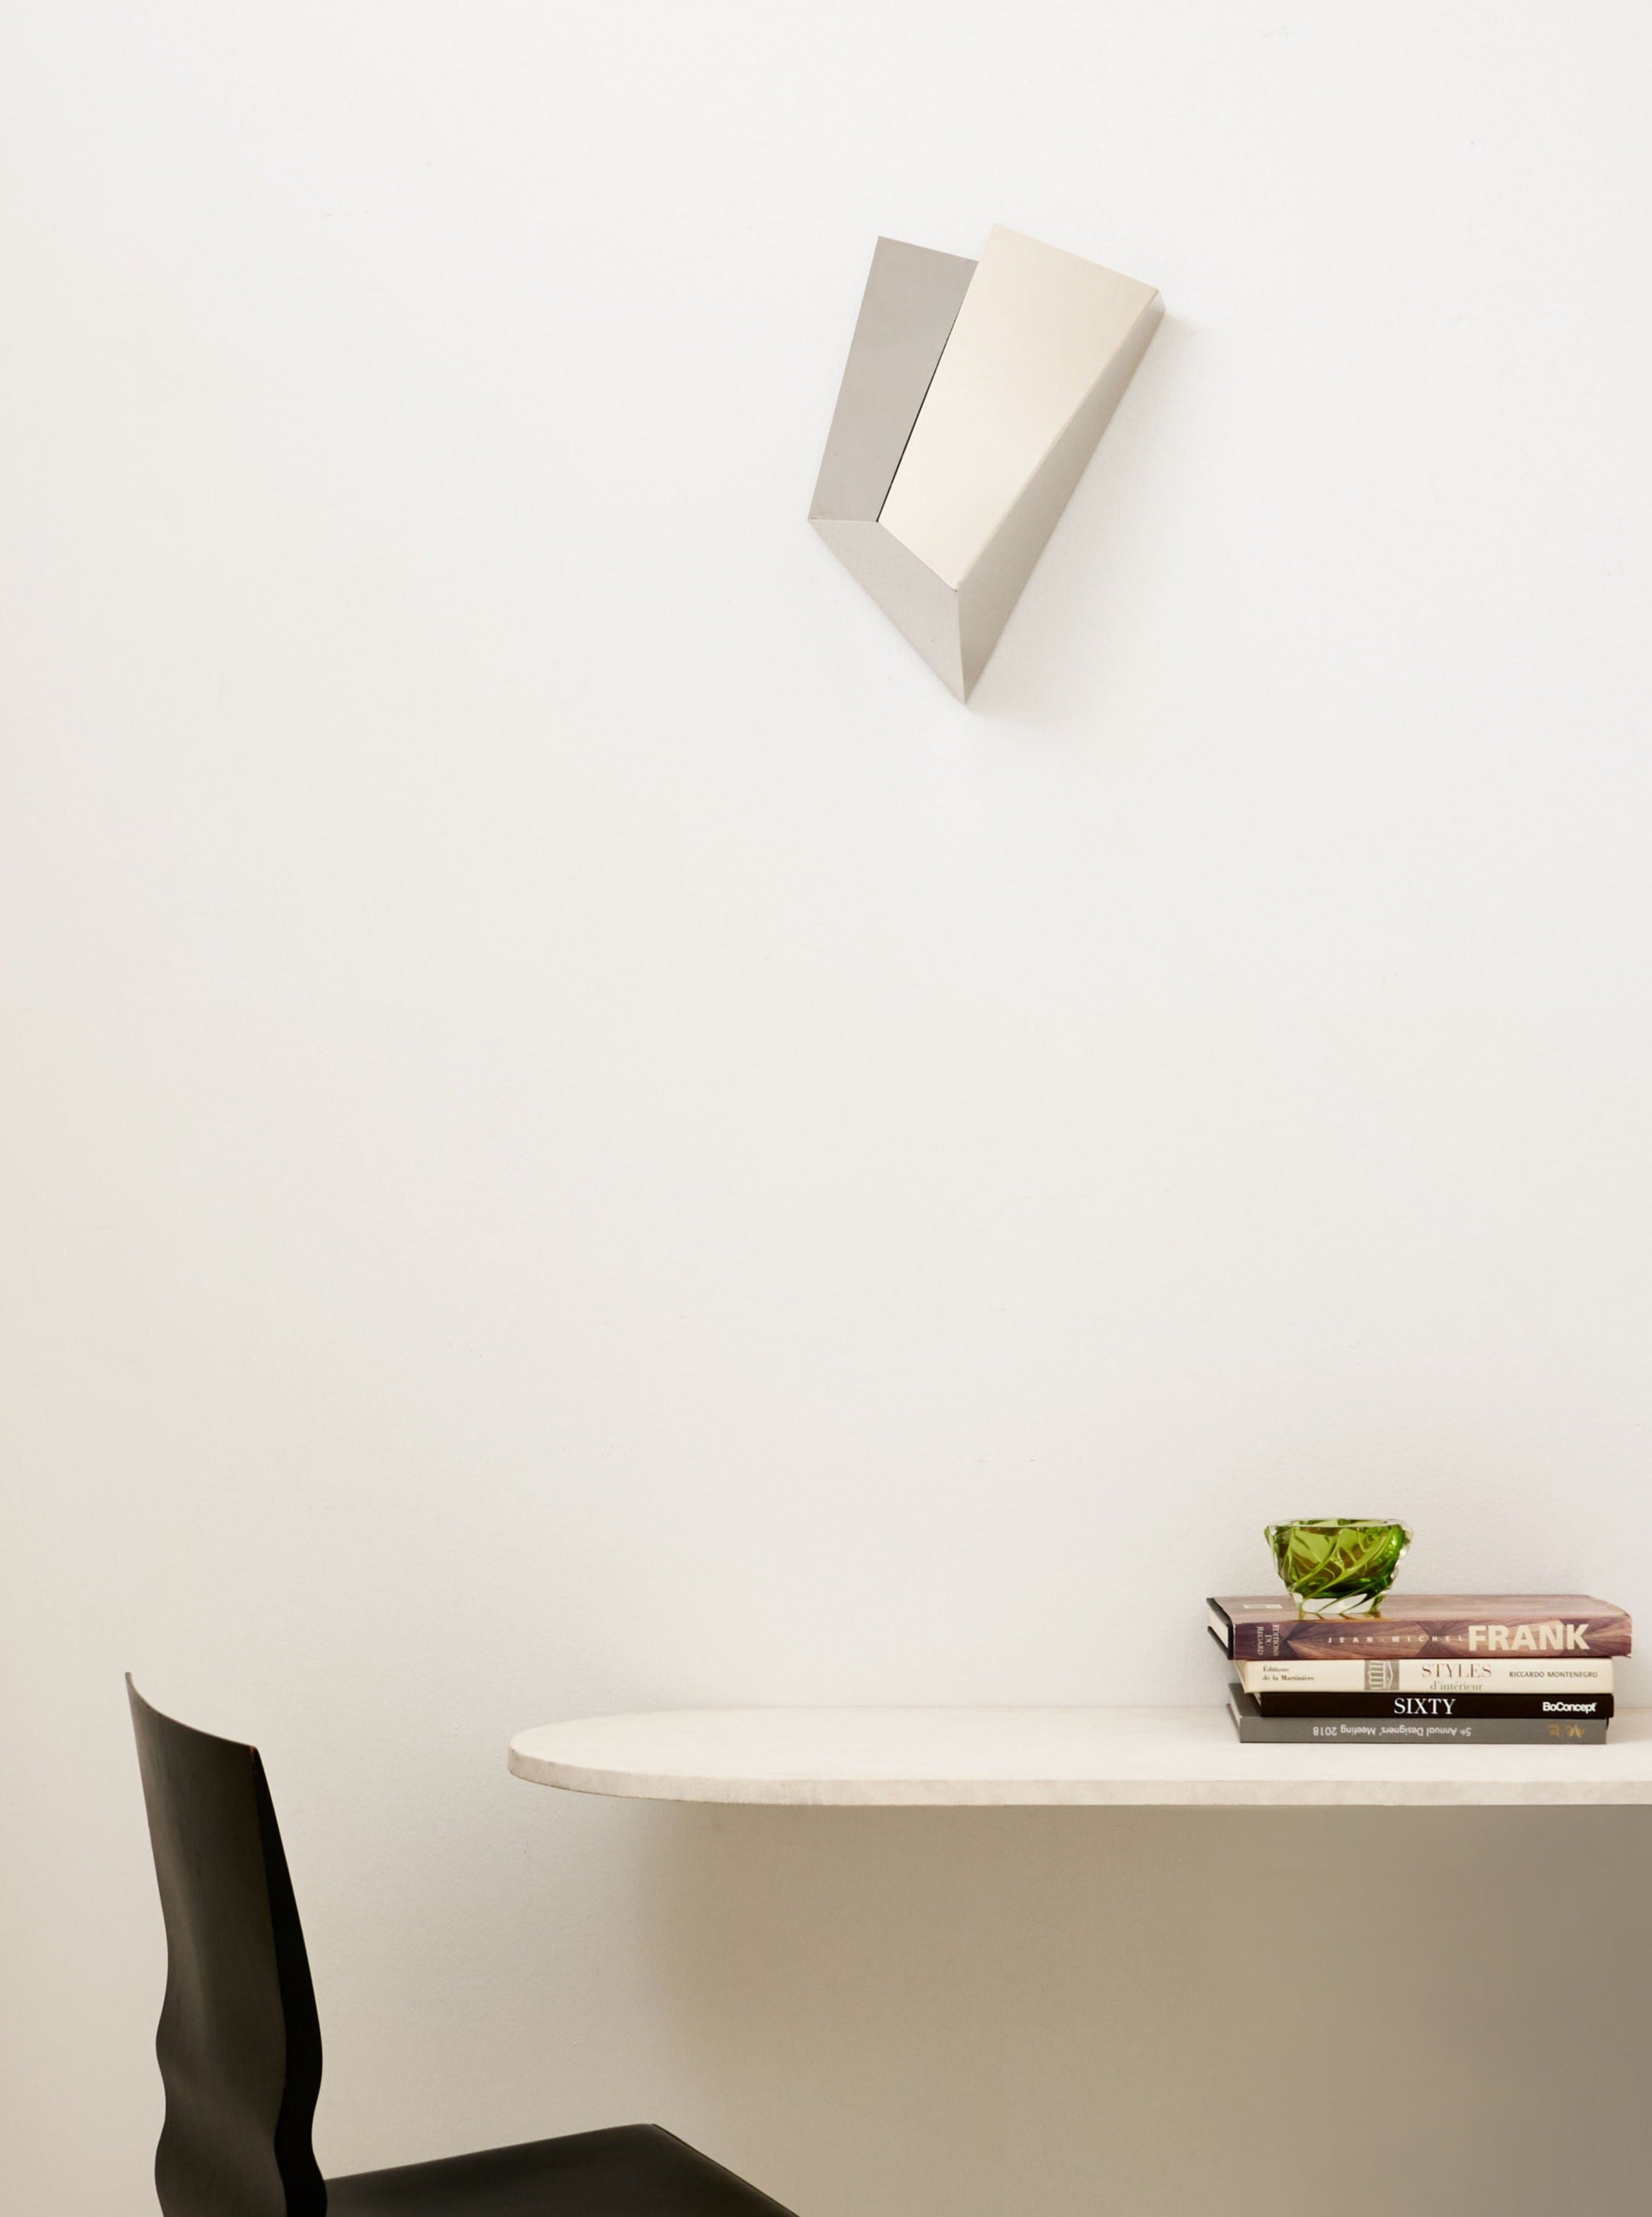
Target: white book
[(1431, 1674)]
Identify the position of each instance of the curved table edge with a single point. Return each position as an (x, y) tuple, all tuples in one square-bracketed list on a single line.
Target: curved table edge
[(893, 1793)]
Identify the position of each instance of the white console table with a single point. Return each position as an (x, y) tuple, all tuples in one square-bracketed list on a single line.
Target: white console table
[(1044, 1759)]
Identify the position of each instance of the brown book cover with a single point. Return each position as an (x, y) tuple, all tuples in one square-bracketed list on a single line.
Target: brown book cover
[(1260, 1627)]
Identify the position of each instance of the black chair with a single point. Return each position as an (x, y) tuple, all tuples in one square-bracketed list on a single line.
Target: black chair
[(240, 2047)]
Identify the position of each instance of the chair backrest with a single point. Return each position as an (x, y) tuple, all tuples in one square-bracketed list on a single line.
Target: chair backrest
[(239, 2045)]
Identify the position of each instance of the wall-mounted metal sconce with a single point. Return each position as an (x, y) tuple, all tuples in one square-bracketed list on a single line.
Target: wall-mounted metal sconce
[(974, 395)]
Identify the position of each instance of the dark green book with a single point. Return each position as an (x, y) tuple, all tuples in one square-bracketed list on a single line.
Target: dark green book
[(1257, 1729), (1466, 1708)]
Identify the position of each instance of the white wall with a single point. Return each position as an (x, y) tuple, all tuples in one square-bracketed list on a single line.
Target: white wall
[(581, 1137)]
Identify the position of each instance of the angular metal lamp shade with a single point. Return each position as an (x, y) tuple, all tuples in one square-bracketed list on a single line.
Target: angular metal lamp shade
[(974, 395)]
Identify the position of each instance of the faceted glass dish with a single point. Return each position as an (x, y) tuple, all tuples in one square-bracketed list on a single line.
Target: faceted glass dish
[(1338, 1566)]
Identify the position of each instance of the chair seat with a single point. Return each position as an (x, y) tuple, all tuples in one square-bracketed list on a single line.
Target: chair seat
[(632, 2171)]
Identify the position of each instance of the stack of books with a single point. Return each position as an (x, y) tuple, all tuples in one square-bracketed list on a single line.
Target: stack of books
[(1469, 1669)]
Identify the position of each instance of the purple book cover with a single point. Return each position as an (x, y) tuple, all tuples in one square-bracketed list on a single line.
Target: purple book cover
[(1261, 1627)]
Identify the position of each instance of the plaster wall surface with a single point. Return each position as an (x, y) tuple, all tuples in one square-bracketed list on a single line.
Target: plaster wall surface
[(580, 1137)]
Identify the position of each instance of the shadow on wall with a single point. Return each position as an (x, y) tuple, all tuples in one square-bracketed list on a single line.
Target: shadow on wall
[(925, 2013), (1061, 634)]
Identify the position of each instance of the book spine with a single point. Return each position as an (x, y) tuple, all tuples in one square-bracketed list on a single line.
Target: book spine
[(1436, 1674), (1416, 1732), (1395, 1637), (1465, 1705)]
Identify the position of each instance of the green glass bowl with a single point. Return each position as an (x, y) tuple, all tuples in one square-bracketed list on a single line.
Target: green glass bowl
[(1338, 1566)]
